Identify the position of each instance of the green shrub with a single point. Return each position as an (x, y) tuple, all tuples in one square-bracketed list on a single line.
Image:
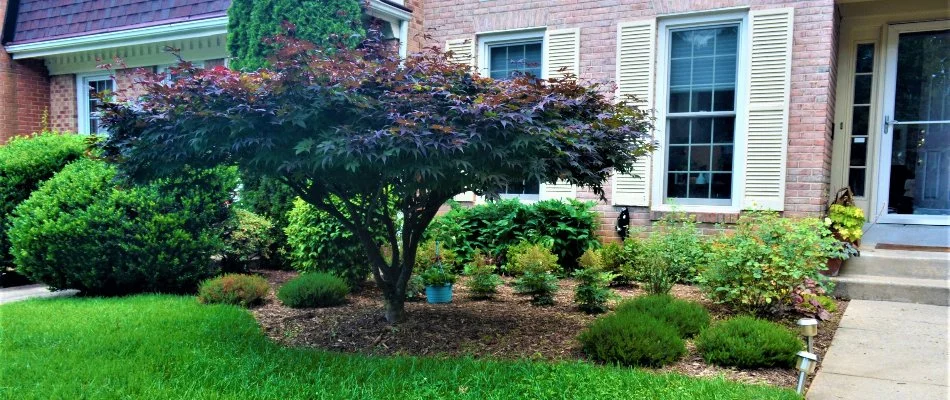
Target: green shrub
[(681, 245), (632, 339), (24, 163), (435, 276), (655, 272), (569, 226), (415, 287), (615, 260), (687, 317), (426, 257), (526, 256), (314, 289), (757, 267), (239, 289), (319, 243), (748, 342), (273, 200), (248, 238), (83, 229), (540, 285), (592, 259), (592, 292), (482, 280)]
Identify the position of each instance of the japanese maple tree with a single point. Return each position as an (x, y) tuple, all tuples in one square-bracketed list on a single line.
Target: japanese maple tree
[(375, 140)]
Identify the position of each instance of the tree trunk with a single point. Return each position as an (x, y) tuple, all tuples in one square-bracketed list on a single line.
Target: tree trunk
[(395, 308)]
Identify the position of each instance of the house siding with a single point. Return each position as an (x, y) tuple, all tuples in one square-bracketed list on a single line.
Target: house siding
[(808, 167), (63, 116)]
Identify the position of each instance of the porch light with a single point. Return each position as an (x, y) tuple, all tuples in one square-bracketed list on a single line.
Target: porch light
[(808, 327), (806, 366)]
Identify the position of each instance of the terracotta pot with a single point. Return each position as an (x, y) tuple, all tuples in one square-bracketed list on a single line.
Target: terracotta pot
[(834, 266)]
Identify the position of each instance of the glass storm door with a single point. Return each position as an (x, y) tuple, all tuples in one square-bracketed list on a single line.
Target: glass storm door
[(914, 183)]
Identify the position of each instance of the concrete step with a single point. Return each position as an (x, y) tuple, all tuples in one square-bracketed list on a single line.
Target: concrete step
[(889, 288), (899, 264)]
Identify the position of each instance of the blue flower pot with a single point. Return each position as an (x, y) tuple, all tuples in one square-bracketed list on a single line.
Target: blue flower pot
[(439, 294)]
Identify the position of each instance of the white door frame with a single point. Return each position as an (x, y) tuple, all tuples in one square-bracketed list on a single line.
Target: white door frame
[(884, 157)]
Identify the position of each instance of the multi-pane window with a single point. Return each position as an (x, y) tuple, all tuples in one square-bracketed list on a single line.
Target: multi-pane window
[(860, 118), (701, 114), (95, 88), (513, 59), (507, 60)]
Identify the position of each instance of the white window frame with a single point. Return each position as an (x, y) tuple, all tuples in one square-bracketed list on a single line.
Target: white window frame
[(82, 97), (504, 38), (659, 200), (485, 42)]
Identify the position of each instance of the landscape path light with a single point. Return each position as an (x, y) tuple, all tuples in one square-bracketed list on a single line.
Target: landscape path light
[(808, 327), (806, 366)]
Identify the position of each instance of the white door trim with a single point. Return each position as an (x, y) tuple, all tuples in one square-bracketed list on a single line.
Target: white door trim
[(884, 157)]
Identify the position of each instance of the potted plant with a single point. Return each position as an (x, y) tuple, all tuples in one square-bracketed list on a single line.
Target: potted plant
[(846, 222), (438, 283)]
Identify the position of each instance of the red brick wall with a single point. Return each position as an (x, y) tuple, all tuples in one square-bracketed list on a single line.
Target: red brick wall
[(812, 98), (62, 115), (24, 93), (416, 30)]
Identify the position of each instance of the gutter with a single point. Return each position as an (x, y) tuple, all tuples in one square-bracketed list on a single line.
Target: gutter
[(127, 37)]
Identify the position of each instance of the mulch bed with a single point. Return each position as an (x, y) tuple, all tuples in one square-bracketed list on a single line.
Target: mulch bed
[(506, 327)]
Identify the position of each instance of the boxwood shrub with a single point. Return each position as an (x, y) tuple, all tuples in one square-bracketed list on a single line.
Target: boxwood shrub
[(567, 226), (238, 289), (315, 289), (748, 342), (319, 243), (84, 229), (632, 339), (687, 317), (24, 163)]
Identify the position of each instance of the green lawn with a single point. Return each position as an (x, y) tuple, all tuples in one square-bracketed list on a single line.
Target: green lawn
[(167, 347)]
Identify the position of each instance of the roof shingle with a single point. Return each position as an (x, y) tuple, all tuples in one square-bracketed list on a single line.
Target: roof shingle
[(39, 20)]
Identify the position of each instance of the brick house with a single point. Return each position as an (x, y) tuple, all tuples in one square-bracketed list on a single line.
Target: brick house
[(758, 103)]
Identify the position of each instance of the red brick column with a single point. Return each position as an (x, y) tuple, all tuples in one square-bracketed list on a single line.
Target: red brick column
[(63, 103)]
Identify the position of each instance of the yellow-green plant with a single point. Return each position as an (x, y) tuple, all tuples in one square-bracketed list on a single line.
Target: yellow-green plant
[(846, 221)]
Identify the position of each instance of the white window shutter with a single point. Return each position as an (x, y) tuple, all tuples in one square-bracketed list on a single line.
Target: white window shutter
[(636, 58), (463, 50), (561, 56), (561, 190), (768, 101)]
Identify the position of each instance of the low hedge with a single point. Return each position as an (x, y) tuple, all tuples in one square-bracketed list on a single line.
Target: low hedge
[(315, 289), (748, 342), (632, 339), (238, 289), (687, 317)]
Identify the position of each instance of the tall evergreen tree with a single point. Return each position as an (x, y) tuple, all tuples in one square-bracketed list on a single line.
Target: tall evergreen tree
[(324, 22)]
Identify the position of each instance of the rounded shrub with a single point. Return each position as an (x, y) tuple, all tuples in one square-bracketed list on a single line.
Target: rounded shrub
[(84, 229), (319, 243), (632, 339), (239, 289), (315, 289), (24, 163), (249, 238), (687, 317), (748, 342)]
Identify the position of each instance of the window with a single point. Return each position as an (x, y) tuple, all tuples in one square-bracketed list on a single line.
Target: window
[(701, 114), (860, 118), (171, 76), (508, 60), (89, 91), (508, 55)]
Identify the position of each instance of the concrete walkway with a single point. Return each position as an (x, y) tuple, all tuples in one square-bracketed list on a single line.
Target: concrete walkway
[(886, 350), (17, 293)]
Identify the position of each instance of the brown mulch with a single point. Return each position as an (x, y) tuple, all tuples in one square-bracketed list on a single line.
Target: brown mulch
[(506, 327)]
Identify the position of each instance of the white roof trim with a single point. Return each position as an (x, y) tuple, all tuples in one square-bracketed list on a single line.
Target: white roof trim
[(181, 30), (380, 9)]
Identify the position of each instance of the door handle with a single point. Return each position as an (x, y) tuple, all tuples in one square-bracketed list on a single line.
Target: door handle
[(887, 124)]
